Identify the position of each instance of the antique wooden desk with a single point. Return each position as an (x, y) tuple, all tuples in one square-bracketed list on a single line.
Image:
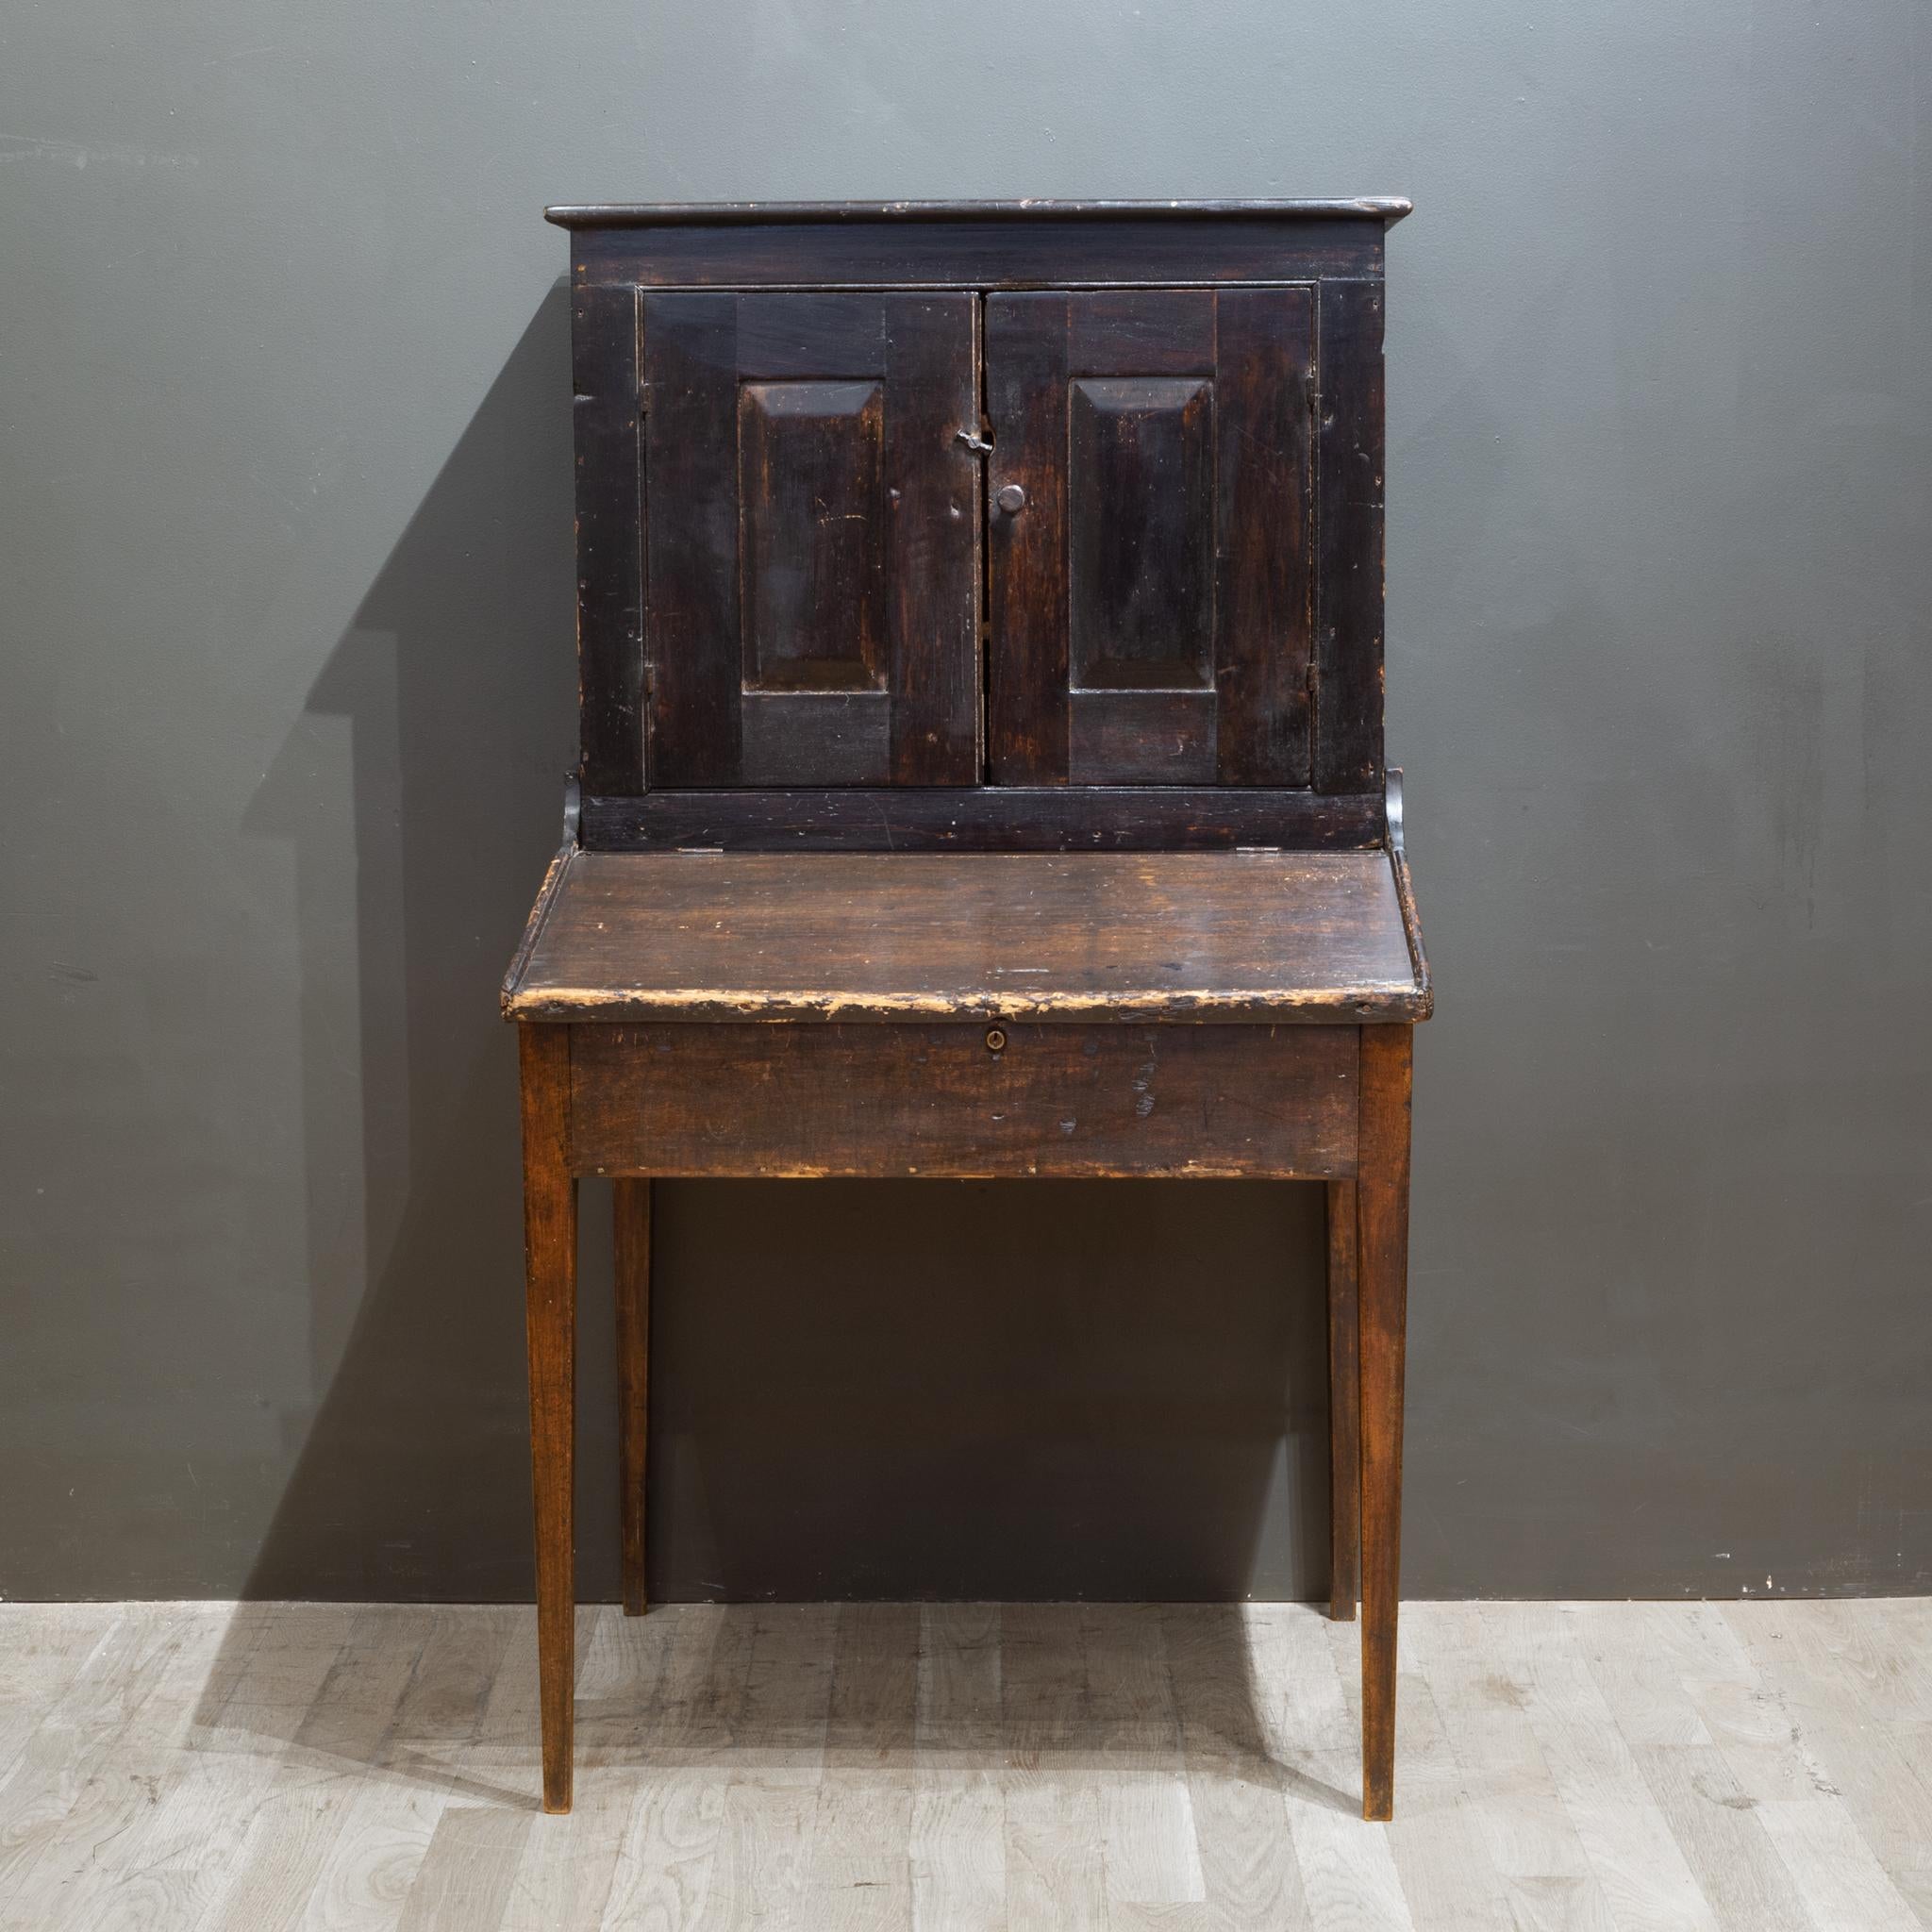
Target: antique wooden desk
[(980, 643)]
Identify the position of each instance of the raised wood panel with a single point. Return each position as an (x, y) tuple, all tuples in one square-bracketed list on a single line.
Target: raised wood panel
[(811, 575), (813, 547), (1141, 511), (1151, 598), (665, 1099)]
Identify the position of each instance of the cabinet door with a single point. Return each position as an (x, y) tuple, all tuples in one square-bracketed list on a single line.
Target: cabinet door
[(812, 517), (1149, 536)]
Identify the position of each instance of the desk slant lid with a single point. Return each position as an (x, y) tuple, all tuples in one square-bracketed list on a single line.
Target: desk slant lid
[(1251, 936)]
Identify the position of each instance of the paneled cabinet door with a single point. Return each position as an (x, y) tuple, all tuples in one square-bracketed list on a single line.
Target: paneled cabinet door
[(1150, 585), (812, 518)]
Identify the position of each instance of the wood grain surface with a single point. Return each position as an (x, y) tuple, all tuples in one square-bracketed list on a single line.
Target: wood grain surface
[(1223, 936), (1381, 1313), (962, 1102), (1757, 1765), (550, 1264)]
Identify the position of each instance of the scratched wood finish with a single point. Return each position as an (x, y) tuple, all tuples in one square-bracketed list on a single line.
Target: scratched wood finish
[(1221, 936), (632, 1220), (609, 535), (1348, 567), (1382, 1275), (811, 581), (550, 1262), (1151, 601), (993, 818), (987, 870), (1189, 396), (962, 1102), (1073, 251), (1344, 1407), (766, 214)]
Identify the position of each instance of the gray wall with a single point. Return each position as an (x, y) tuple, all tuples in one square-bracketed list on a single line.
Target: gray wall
[(288, 698)]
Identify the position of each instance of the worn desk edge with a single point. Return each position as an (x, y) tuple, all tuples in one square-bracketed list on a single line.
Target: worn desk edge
[(1389, 209), (1371, 1003)]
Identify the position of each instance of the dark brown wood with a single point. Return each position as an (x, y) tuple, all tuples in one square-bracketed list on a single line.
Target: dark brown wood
[(1159, 560), (1344, 1407), (1382, 1216), (963, 1102), (654, 214), (691, 551), (933, 576), (1264, 614), (631, 1205), (1062, 818), (1229, 937), (609, 511), (1348, 571), (1065, 253), (1141, 533), (982, 661), (1141, 738), (550, 1266), (1027, 685), (1185, 585), (812, 560), (1412, 919), (812, 521)]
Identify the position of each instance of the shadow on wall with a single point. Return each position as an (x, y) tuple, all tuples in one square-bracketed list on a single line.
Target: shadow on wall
[(890, 1389), (411, 1479)]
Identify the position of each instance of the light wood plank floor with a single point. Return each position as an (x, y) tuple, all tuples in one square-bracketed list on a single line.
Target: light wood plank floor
[(1759, 1766)]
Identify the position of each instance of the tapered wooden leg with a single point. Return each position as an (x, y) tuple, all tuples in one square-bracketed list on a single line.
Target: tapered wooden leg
[(1382, 1217), (550, 1271), (1344, 1409), (633, 1205)]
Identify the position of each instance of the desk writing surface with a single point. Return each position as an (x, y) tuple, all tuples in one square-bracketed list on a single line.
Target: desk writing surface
[(1197, 936)]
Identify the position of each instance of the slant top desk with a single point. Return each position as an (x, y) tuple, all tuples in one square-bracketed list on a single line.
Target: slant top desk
[(979, 635)]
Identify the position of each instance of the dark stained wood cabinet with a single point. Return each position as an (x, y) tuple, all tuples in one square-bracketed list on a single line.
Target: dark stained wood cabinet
[(811, 563), (1149, 555), (1105, 516), (980, 644)]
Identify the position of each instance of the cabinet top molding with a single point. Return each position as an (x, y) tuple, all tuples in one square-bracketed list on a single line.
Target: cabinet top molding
[(1388, 209)]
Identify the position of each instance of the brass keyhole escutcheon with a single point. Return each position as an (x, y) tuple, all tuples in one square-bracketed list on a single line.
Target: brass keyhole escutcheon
[(995, 1039)]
